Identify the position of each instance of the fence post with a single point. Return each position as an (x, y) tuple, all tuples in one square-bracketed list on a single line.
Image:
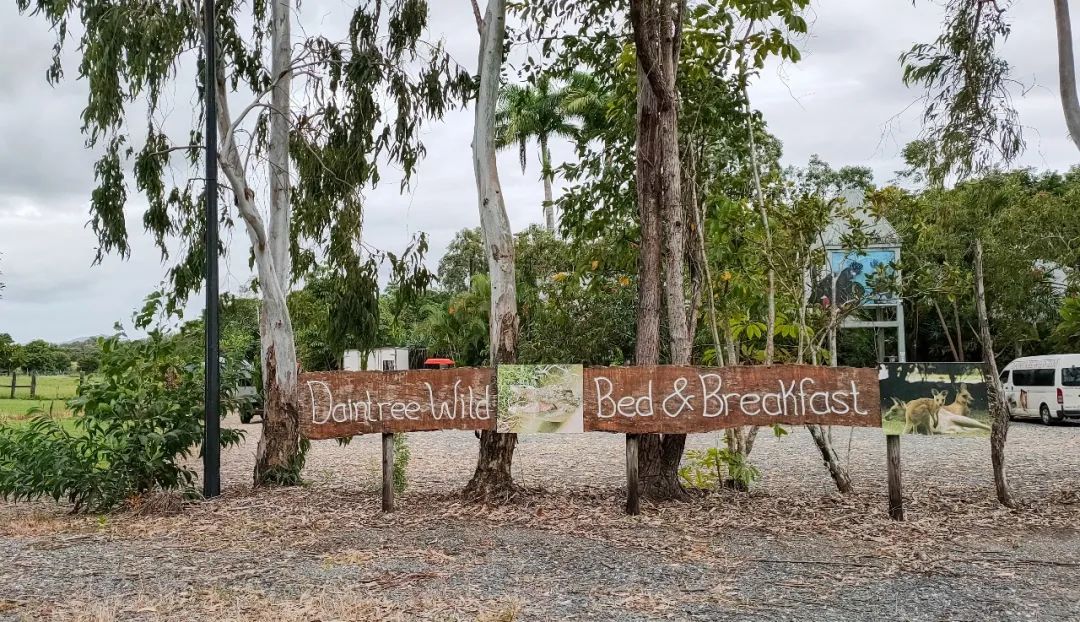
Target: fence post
[(896, 489), (388, 472), (633, 503), (13, 374), (33, 385)]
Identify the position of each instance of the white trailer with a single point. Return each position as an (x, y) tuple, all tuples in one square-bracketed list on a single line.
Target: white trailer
[(379, 359)]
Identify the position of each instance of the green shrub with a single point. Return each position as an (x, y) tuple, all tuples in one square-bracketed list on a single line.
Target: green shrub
[(716, 467), (134, 423), (401, 462)]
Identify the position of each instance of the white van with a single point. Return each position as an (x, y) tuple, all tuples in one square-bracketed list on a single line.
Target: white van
[(1047, 387)]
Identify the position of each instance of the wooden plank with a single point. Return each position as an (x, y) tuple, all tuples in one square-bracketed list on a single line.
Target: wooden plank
[(673, 399), (342, 404), (388, 472), (633, 503), (896, 488)]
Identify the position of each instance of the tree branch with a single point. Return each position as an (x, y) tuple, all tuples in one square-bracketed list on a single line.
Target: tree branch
[(479, 18), (232, 166), (177, 148), (645, 53)]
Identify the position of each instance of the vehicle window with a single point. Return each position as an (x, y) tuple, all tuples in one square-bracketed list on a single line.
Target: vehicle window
[(1022, 377), (1070, 376), (1043, 378), (1005, 376)]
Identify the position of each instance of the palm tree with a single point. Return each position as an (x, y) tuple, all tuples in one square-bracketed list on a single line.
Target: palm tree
[(588, 101), (534, 111)]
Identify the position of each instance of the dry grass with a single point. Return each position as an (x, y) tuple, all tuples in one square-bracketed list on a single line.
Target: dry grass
[(246, 605), (40, 519)]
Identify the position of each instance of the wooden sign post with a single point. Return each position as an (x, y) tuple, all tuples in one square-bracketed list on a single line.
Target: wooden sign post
[(633, 504), (388, 472), (896, 488)]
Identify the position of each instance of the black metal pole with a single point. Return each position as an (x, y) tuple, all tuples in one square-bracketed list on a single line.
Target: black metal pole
[(212, 398)]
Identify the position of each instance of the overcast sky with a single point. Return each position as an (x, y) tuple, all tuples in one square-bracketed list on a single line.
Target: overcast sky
[(843, 101)]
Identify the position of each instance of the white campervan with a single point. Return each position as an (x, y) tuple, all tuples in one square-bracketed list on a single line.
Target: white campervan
[(1047, 387)]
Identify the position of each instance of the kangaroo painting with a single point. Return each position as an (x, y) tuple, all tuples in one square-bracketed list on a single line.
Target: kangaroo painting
[(954, 418), (921, 415), (934, 399)]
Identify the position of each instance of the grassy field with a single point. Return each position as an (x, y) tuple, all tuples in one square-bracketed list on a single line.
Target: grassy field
[(52, 395), (48, 387)]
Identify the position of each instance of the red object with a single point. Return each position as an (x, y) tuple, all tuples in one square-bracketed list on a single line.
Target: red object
[(439, 362), (1061, 396)]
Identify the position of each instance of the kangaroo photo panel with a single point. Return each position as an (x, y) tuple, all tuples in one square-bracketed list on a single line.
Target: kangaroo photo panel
[(540, 398), (934, 399)]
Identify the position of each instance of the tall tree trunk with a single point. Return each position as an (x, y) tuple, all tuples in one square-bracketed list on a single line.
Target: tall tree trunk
[(647, 320), (647, 346), (492, 479), (278, 459), (1067, 70), (657, 30), (1000, 428), (548, 174)]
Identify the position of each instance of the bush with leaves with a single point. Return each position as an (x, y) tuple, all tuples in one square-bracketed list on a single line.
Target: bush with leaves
[(135, 423), (717, 467)]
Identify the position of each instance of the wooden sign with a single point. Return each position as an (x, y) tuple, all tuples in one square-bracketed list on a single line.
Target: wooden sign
[(633, 400), (342, 404), (673, 399)]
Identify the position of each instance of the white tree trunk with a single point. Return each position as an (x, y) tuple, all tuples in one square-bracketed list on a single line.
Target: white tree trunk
[(498, 237), (492, 478), (280, 213), (549, 201), (1067, 70), (278, 450)]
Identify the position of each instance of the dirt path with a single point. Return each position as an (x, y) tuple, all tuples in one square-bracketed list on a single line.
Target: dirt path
[(792, 550)]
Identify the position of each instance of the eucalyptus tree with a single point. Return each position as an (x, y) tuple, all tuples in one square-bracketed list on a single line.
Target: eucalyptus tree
[(492, 478), (322, 116), (534, 111), (970, 121)]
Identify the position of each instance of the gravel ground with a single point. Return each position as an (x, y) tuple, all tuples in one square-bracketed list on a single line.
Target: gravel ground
[(791, 550)]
